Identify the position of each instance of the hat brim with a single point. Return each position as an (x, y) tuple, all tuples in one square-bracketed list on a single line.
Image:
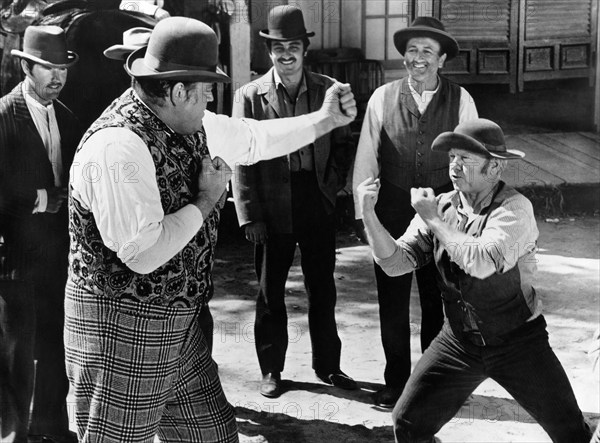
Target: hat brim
[(451, 140), (265, 33), (71, 56), (447, 42), (119, 52), (136, 67)]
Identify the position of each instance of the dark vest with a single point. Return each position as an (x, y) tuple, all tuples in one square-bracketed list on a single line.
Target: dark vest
[(493, 306), (406, 136), (186, 279)]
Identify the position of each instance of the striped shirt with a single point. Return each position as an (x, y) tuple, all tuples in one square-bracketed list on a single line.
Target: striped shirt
[(508, 239)]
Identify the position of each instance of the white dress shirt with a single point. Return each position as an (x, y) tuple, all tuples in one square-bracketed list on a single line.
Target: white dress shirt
[(366, 163), (44, 119), (114, 176)]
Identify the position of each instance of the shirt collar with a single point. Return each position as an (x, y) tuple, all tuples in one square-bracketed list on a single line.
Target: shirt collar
[(278, 82), (414, 91), (459, 201), (32, 101)]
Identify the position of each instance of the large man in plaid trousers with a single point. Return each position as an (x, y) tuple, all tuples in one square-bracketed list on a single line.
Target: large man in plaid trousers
[(144, 211)]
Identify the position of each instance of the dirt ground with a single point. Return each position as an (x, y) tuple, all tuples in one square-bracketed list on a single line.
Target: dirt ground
[(309, 411)]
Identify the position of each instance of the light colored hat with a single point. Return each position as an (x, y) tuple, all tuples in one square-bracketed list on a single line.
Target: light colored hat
[(134, 38), (179, 48), (46, 45), (481, 136)]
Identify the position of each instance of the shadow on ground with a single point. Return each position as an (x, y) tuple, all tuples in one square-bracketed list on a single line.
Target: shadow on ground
[(260, 426)]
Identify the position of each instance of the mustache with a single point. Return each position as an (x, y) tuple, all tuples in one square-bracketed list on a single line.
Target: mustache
[(280, 59)]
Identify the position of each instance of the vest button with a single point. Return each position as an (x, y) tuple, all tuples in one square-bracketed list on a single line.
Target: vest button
[(420, 142), (421, 132), (419, 153)]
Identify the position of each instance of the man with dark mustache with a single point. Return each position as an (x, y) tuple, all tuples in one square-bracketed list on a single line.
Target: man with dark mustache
[(38, 137), (290, 201), (402, 119)]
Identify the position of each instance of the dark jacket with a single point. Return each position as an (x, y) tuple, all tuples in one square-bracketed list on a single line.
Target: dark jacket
[(24, 168), (262, 191)]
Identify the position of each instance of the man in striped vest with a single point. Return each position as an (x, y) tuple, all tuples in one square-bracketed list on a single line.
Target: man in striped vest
[(482, 237)]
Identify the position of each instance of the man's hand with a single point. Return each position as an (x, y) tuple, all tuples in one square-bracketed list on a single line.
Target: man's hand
[(368, 192), (256, 232), (212, 181), (56, 197), (423, 201), (339, 104)]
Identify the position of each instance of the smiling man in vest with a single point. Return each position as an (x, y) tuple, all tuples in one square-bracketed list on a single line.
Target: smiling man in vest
[(402, 119), (482, 237), (144, 211)]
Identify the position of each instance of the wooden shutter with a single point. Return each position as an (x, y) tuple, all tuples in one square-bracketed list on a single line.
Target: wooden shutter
[(487, 20), (557, 19)]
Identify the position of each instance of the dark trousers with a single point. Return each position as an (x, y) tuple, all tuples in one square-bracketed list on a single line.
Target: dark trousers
[(31, 327), (450, 370), (395, 212), (207, 326), (314, 233)]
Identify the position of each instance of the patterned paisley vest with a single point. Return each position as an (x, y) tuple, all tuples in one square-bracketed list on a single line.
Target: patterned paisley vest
[(186, 279)]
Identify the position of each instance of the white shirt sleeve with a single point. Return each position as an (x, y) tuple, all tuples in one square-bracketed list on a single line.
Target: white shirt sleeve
[(247, 141), (366, 162), (114, 177), (41, 201), (466, 108)]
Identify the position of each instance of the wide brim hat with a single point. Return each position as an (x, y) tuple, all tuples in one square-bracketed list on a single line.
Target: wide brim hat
[(181, 49), (133, 39), (46, 45), (285, 23), (427, 27), (481, 136)]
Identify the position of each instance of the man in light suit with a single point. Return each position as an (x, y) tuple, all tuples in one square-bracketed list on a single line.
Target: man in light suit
[(38, 137), (290, 201)]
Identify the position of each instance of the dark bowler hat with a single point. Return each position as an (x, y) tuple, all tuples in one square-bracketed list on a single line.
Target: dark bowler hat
[(427, 27), (133, 39), (481, 136), (179, 48), (285, 23), (46, 45)]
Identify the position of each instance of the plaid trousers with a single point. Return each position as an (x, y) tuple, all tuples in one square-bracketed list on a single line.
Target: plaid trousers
[(141, 370)]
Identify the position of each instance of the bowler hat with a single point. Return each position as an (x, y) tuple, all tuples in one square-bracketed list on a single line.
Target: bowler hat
[(481, 136), (46, 45), (427, 27), (133, 39), (179, 48), (285, 23)]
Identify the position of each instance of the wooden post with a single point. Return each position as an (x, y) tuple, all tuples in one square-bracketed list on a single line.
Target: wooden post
[(240, 50), (597, 68)]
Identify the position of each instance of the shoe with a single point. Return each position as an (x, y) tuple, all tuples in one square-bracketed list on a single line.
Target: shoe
[(270, 386), (387, 397), (337, 379), (68, 437)]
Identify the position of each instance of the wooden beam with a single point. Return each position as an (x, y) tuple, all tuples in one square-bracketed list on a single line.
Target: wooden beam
[(240, 46)]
